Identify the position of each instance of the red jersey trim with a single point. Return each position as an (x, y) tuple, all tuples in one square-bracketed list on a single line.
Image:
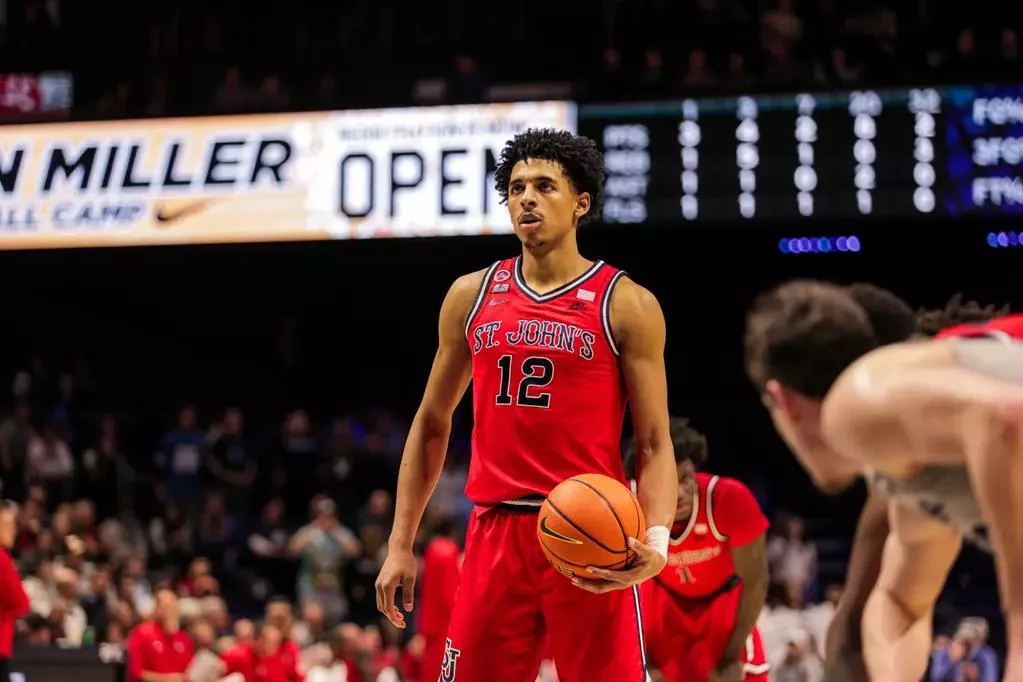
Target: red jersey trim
[(537, 297), (695, 514), (480, 296), (751, 653), (605, 311), (713, 483)]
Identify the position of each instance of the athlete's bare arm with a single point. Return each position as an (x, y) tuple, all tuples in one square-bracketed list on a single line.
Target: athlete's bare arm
[(918, 555), (917, 397), (638, 326), (637, 319), (844, 646), (427, 443), (751, 568)]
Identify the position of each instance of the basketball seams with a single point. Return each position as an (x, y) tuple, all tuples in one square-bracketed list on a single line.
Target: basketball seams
[(589, 537), (614, 513), (561, 560)]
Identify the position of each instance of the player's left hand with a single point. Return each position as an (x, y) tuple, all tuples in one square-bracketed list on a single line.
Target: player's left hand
[(646, 565)]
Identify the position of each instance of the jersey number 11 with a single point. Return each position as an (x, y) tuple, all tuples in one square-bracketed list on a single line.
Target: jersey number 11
[(536, 372)]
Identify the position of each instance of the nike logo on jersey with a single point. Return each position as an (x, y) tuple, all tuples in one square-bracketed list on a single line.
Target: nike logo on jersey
[(550, 532)]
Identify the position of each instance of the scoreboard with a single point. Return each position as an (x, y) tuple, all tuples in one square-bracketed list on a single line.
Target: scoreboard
[(907, 153)]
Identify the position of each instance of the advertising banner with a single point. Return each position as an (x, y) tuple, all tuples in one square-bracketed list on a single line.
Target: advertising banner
[(287, 177)]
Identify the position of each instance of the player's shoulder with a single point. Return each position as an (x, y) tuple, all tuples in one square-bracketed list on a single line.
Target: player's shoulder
[(1010, 326), (633, 304), (727, 485)]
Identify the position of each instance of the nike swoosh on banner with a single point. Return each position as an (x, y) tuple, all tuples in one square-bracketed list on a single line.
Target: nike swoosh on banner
[(167, 217), (546, 530)]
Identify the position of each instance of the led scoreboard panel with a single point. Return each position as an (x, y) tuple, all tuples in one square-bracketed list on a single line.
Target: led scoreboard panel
[(865, 153)]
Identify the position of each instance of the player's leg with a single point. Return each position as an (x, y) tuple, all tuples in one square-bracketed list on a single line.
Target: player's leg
[(496, 632), (754, 659), (594, 637), (665, 634)]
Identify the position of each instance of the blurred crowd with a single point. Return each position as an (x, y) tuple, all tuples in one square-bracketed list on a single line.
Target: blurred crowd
[(185, 57)]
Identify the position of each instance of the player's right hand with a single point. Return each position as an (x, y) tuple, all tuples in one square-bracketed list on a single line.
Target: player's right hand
[(399, 569)]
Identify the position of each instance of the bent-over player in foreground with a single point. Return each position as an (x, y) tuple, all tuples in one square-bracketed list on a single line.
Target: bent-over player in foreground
[(700, 613), (937, 426), (555, 344)]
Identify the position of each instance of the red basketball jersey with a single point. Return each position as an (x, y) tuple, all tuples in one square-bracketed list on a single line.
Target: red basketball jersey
[(547, 392), (725, 515), (1009, 328)]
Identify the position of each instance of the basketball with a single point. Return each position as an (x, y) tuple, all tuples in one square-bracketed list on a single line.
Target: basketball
[(587, 520)]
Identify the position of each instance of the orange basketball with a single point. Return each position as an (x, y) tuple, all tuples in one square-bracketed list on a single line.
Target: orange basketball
[(587, 520)]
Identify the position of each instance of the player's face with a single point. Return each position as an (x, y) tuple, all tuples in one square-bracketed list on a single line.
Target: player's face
[(797, 420), (686, 490), (543, 205)]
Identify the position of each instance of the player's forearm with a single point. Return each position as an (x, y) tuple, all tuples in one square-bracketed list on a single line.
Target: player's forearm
[(864, 566), (421, 464), (751, 603), (896, 641), (657, 485)]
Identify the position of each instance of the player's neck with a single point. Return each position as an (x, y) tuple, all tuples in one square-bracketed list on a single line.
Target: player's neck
[(550, 270)]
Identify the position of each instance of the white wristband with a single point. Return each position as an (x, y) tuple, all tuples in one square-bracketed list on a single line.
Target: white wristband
[(657, 538)]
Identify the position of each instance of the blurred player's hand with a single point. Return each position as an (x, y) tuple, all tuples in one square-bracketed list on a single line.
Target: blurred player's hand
[(648, 563), (733, 672), (399, 569)]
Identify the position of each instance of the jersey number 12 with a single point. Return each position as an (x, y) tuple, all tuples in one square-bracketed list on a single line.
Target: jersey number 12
[(536, 372)]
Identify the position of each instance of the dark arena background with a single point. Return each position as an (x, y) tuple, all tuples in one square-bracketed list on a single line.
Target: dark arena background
[(262, 240)]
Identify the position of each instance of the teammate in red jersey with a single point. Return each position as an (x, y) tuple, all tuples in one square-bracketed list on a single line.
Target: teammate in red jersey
[(935, 426), (554, 345), (700, 613), (442, 569)]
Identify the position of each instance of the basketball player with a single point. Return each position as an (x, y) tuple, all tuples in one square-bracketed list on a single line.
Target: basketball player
[(554, 345), (936, 426), (442, 566), (700, 613)]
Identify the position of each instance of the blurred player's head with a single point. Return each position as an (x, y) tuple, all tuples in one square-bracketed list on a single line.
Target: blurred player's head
[(800, 337), (891, 318), (690, 452), (552, 181), (956, 311)]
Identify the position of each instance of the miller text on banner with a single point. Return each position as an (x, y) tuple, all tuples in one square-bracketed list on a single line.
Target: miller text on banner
[(288, 177)]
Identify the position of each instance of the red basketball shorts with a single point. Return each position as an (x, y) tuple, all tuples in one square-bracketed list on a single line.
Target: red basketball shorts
[(513, 607), (433, 656), (686, 637)]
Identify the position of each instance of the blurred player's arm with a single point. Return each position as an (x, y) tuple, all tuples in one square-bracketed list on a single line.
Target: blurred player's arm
[(941, 405), (640, 333), (844, 645), (739, 518), (427, 442), (896, 629)]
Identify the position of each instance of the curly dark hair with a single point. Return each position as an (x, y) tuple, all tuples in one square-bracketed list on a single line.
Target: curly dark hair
[(579, 157), (956, 311), (890, 316), (689, 444)]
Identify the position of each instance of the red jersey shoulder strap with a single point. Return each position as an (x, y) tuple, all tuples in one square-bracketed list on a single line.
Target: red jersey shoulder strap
[(712, 484), (481, 295), (614, 276)]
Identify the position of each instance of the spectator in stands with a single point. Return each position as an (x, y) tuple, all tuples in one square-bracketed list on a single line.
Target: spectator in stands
[(792, 559), (782, 615), (280, 614), (159, 650), (105, 476), (800, 662), (16, 433), (230, 463), (50, 465), (817, 618), (324, 546), (13, 600), (180, 460), (217, 529), (170, 535), (967, 656)]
